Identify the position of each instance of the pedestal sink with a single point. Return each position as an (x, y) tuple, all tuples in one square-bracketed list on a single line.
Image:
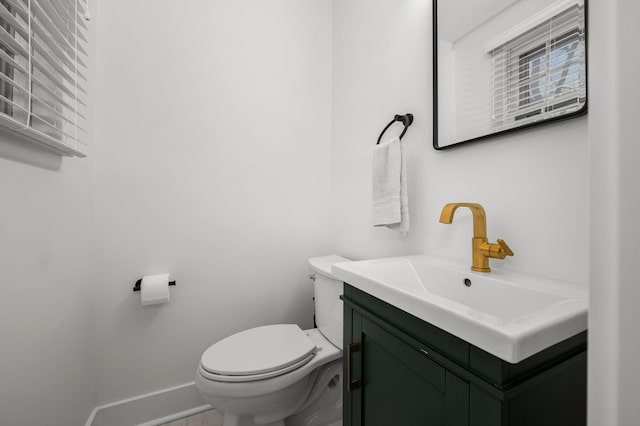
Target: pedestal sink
[(507, 314)]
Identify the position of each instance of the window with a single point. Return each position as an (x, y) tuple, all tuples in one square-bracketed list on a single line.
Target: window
[(42, 72), (541, 73), (549, 76)]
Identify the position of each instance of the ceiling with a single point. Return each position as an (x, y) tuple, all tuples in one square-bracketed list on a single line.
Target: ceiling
[(457, 18)]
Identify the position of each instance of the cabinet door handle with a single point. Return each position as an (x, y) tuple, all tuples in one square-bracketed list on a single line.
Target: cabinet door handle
[(352, 384)]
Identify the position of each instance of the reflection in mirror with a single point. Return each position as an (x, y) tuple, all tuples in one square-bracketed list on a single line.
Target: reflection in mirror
[(501, 65)]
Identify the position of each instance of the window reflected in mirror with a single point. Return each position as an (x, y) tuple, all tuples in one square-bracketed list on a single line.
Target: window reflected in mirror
[(502, 65)]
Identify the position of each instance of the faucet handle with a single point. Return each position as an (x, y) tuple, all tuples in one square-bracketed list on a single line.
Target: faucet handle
[(505, 247), (495, 251)]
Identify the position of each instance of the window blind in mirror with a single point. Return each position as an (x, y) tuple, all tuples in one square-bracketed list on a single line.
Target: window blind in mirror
[(541, 73), (43, 72)]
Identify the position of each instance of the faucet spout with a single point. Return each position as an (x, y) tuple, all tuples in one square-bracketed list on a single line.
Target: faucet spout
[(479, 217), (481, 249)]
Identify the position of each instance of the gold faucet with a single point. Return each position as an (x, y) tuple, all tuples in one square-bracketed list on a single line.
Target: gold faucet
[(481, 248)]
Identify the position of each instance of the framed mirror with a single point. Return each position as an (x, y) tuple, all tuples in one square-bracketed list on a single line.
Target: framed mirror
[(501, 66)]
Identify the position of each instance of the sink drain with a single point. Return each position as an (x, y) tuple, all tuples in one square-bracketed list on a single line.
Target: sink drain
[(467, 282)]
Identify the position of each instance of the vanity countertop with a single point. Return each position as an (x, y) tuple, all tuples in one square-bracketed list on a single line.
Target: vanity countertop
[(507, 314)]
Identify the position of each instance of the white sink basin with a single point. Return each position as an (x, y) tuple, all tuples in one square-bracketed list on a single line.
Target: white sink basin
[(507, 314)]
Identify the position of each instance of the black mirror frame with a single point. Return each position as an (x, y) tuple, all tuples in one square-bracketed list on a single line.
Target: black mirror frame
[(582, 111)]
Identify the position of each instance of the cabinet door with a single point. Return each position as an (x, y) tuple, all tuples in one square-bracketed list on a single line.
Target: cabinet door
[(398, 384)]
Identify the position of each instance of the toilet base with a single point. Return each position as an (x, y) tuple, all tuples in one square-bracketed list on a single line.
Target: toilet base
[(247, 421), (326, 409), (323, 405), (235, 420)]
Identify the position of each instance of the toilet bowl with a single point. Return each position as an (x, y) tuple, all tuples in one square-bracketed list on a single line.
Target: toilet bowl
[(281, 375)]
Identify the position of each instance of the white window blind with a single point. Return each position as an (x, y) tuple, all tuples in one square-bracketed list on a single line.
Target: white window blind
[(541, 73), (43, 56)]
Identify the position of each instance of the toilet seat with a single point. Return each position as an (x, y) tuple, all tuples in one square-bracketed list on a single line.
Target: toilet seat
[(258, 353), (211, 385), (254, 377)]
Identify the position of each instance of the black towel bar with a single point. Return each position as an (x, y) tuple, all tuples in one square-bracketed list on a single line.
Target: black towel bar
[(139, 284), (406, 119)]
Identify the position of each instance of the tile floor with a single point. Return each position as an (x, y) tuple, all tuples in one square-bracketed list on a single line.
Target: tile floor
[(206, 418)]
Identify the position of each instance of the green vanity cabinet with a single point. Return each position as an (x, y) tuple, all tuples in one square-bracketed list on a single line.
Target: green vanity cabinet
[(402, 371)]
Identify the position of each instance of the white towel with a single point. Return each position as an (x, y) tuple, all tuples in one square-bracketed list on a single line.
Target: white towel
[(390, 200)]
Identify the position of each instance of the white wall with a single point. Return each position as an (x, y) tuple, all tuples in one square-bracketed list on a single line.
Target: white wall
[(615, 201), (47, 271), (46, 370), (213, 164), (533, 185)]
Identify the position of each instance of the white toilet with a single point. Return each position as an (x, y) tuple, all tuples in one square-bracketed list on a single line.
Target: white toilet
[(280, 375)]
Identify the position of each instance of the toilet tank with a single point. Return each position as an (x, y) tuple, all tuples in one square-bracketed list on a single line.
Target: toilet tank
[(327, 290)]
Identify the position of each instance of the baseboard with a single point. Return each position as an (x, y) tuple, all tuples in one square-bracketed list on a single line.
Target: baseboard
[(151, 409)]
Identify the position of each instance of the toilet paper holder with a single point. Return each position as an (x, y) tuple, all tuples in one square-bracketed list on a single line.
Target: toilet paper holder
[(139, 284)]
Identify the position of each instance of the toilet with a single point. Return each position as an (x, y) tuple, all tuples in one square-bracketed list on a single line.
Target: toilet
[(281, 375)]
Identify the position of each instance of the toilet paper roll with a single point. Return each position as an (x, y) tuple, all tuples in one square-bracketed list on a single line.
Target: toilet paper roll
[(154, 289)]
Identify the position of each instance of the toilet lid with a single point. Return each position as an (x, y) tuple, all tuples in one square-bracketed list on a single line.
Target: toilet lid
[(258, 350)]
